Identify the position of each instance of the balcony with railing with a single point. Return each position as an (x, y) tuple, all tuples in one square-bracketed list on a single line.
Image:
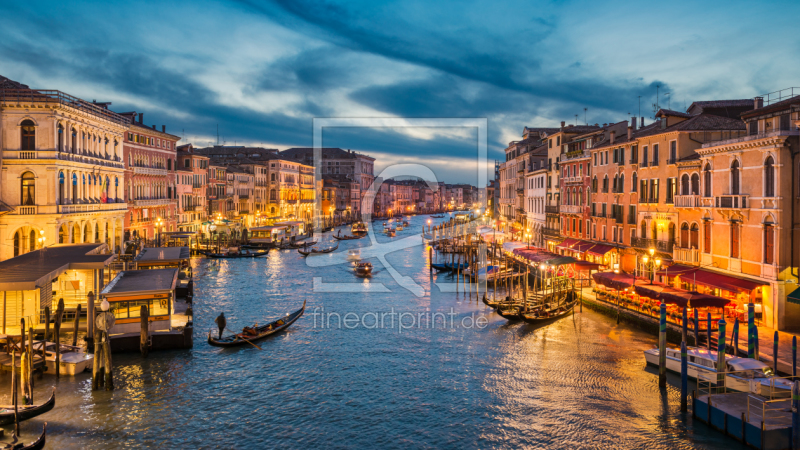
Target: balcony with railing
[(571, 209), (151, 201), (81, 157), (686, 255), (548, 209), (551, 232), (146, 170), (659, 245), (739, 201), (91, 207), (687, 201)]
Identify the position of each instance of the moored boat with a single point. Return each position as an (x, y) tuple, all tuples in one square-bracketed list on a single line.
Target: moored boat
[(316, 251), (359, 227), (237, 254), (38, 444), (73, 359), (742, 374), (25, 412), (257, 332), (348, 237), (548, 312)]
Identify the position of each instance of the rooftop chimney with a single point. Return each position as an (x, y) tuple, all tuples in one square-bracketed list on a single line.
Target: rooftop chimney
[(154, 127), (642, 122), (633, 122), (759, 102), (562, 124), (141, 117), (613, 134), (163, 128), (630, 132)]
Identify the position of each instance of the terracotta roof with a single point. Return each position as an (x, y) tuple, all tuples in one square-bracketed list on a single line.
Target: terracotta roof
[(727, 108), (7, 83), (773, 107), (668, 112)]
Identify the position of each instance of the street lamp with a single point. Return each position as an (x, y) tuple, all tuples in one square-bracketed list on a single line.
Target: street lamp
[(159, 222)]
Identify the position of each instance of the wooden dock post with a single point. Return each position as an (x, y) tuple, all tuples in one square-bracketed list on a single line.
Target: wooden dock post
[(430, 259), (15, 390), (721, 347), (662, 347), (775, 352), (684, 372), (30, 364), (735, 337), (77, 322), (696, 329), (46, 332), (109, 372), (143, 344), (796, 415), (751, 317), (684, 329), (90, 312), (57, 336), (794, 356), (97, 376)]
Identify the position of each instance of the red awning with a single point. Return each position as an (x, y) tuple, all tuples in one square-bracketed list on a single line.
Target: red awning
[(586, 265), (567, 243), (582, 246), (676, 270), (614, 280), (721, 281), (600, 249)]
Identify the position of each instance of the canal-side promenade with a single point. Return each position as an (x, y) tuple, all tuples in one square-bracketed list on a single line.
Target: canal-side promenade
[(577, 383)]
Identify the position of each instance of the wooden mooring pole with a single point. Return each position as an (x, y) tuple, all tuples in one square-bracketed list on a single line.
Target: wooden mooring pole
[(77, 323), (662, 347), (57, 336), (684, 373), (145, 334)]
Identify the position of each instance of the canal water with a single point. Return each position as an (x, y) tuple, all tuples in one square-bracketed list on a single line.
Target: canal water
[(377, 367)]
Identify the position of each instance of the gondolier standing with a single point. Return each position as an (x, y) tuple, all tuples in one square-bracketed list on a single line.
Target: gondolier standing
[(221, 323)]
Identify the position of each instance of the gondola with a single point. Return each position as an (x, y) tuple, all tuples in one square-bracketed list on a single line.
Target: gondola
[(510, 312), (541, 316), (347, 237), (261, 332), (317, 252), (263, 246), (440, 267), (237, 255), (296, 245), (26, 412), (38, 444)]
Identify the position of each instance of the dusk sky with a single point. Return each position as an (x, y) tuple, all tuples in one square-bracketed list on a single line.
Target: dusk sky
[(262, 70)]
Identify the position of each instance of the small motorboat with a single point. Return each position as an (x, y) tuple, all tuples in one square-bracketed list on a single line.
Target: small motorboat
[(359, 227), (405, 223), (364, 268), (26, 412), (316, 251), (743, 374), (256, 332), (391, 233), (354, 254), (73, 359), (399, 227)]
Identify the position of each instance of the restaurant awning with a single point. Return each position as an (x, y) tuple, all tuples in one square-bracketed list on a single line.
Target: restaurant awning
[(794, 297), (614, 280), (600, 249), (586, 265), (709, 278), (567, 243), (582, 246), (680, 297)]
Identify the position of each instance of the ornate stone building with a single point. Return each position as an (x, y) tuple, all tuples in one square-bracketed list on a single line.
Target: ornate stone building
[(61, 171)]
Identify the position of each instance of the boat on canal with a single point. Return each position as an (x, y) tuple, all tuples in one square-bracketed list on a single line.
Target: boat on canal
[(440, 267), (295, 245), (549, 312), (359, 227), (742, 374), (316, 251), (255, 333), (38, 444), (364, 268), (74, 360), (348, 237), (25, 412), (237, 254)]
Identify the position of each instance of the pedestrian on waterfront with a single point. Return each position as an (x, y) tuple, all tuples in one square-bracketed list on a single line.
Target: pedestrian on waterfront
[(221, 323)]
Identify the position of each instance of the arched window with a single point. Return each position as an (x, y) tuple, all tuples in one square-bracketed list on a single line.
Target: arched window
[(61, 188), (28, 135), (695, 184), (614, 185), (28, 189), (633, 182), (671, 232), (60, 138), (685, 235), (74, 188), (735, 177), (769, 177), (17, 242), (594, 184), (621, 185), (62, 234), (605, 183), (684, 185), (707, 180), (769, 243), (644, 230), (32, 240), (74, 144), (694, 233)]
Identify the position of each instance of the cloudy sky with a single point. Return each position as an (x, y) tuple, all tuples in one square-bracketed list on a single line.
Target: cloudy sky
[(262, 70)]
